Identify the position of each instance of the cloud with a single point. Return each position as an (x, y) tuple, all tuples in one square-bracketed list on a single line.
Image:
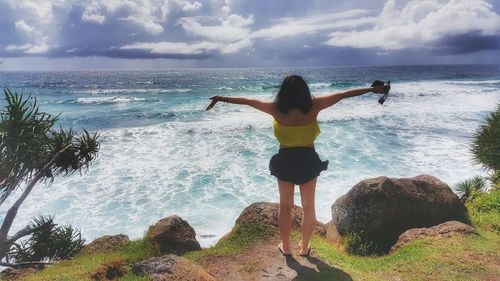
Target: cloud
[(92, 13), (230, 29), (291, 27), (33, 34), (169, 48), (28, 48), (269, 31), (421, 24)]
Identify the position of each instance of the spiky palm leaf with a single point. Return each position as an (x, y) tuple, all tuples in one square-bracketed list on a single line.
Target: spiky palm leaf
[(486, 144), (48, 243), (468, 188), (28, 143)]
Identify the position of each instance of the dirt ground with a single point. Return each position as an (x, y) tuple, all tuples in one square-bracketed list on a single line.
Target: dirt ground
[(263, 261)]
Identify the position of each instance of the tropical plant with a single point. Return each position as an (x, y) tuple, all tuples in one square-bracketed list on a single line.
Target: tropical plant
[(486, 144), (470, 188), (32, 151), (49, 242)]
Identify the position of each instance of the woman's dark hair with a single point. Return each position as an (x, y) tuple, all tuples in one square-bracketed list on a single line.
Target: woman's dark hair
[(293, 93)]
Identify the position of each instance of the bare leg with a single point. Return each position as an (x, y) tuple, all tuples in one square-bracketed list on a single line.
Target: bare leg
[(307, 191), (285, 213)]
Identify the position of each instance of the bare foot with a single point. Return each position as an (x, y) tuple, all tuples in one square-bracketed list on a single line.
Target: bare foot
[(284, 252), (301, 250)]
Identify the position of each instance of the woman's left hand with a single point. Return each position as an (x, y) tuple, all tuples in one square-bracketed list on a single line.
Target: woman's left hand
[(214, 99), (382, 89)]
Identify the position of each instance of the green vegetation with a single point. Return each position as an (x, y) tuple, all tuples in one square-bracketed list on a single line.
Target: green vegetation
[(32, 151), (83, 267), (238, 240), (356, 244), (49, 242), (484, 210), (470, 188), (455, 258), (486, 144)]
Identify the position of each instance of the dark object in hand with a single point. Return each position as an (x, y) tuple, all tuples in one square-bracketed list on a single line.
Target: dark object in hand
[(378, 83)]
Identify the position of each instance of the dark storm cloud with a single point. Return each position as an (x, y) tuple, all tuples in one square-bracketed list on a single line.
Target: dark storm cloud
[(467, 43)]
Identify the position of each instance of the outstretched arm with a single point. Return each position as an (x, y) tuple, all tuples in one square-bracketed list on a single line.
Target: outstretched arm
[(331, 99), (264, 106)]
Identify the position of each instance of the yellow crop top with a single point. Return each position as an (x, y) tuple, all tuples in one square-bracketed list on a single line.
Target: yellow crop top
[(292, 136)]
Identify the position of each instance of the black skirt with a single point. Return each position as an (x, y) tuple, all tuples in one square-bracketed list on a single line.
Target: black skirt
[(297, 164)]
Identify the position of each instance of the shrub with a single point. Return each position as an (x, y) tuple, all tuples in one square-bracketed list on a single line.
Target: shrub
[(48, 242), (484, 210), (486, 144), (470, 188), (357, 244)]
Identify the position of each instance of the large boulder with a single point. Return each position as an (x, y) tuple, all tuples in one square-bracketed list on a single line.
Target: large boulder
[(173, 235), (446, 229), (172, 268), (378, 210), (267, 214), (105, 244)]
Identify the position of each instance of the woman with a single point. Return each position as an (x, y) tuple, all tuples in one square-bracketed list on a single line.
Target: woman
[(295, 126)]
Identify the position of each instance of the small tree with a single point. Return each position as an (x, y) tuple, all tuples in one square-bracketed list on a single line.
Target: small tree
[(486, 144), (32, 151)]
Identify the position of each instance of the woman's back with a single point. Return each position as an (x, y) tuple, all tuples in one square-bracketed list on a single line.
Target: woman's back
[(295, 117)]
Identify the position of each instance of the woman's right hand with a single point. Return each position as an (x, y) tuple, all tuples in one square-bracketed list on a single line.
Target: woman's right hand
[(214, 99)]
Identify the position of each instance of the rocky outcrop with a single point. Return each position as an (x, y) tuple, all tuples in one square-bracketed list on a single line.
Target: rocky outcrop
[(446, 229), (378, 210), (267, 214), (105, 244), (173, 235), (171, 267)]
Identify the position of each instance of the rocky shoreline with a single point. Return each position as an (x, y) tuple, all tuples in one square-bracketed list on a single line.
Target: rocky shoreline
[(377, 216)]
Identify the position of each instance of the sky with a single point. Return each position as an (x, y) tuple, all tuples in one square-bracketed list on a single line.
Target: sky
[(154, 34)]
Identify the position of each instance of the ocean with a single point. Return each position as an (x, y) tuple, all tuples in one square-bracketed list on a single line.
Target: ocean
[(163, 154)]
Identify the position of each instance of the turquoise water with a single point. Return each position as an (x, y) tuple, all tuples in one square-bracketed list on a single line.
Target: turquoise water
[(163, 154)]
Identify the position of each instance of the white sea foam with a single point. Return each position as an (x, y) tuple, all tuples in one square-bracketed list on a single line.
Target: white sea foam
[(108, 100), (207, 169), (132, 90)]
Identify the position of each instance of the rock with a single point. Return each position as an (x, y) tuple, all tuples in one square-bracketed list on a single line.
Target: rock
[(267, 213), (18, 273), (111, 270), (446, 229), (105, 244), (173, 235), (378, 210), (172, 268)]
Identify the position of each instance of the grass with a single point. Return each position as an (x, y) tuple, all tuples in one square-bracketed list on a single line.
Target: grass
[(473, 257), (430, 259), (240, 238), (82, 267), (484, 210)]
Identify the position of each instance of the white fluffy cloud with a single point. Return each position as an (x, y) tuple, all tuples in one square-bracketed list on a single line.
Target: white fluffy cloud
[(421, 23), (148, 14), (39, 45), (174, 47), (228, 35), (92, 13), (230, 29), (291, 27), (125, 28)]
